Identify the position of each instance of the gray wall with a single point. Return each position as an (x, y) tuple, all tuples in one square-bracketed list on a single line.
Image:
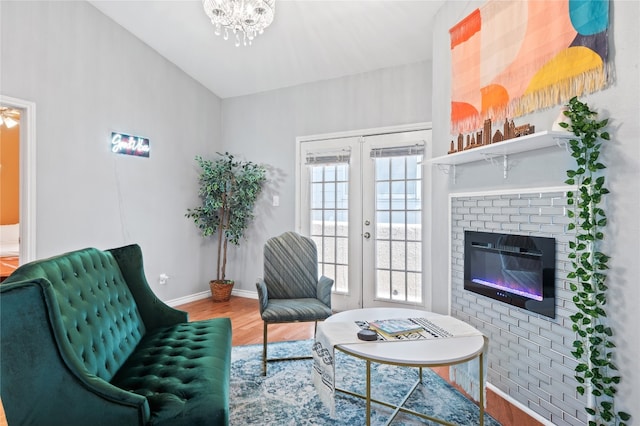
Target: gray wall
[(620, 102), (88, 76), (263, 128)]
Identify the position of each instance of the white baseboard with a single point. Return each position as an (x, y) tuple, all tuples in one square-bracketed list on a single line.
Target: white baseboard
[(190, 298), (518, 404), (205, 294), (249, 294)]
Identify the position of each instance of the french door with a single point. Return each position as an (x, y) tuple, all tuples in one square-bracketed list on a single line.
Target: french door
[(362, 199)]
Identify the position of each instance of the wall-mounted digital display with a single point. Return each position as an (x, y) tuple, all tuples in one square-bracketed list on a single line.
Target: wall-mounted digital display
[(129, 145)]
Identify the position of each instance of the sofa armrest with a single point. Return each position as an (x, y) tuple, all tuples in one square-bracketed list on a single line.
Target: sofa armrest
[(324, 290), (155, 313), (43, 381)]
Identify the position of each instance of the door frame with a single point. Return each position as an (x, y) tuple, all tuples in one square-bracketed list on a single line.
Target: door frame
[(27, 175), (427, 224)]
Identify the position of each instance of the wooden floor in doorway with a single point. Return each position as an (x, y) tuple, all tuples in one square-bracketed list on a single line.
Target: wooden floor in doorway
[(247, 330)]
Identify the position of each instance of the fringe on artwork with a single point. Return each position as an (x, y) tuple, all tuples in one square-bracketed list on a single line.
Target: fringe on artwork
[(558, 93), (587, 82), (466, 125)]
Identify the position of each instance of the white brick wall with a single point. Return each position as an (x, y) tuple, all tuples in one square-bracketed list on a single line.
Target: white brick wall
[(529, 354)]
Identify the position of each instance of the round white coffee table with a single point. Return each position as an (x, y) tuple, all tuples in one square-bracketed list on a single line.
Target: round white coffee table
[(442, 351)]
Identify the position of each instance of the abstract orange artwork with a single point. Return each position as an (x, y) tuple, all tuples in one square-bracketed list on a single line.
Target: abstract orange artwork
[(511, 58)]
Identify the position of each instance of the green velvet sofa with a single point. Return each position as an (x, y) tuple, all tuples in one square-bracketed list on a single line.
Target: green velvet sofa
[(84, 341)]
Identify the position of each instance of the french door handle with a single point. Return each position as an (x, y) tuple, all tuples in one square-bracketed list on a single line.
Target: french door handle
[(367, 235)]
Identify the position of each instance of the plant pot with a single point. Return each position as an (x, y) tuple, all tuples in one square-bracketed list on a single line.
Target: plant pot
[(221, 290)]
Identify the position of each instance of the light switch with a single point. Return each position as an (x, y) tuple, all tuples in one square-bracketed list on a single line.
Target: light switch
[(276, 201)]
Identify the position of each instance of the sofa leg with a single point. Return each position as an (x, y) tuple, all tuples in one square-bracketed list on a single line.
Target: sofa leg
[(264, 350)]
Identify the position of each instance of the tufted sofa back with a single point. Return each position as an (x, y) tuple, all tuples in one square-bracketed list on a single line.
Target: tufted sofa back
[(98, 312)]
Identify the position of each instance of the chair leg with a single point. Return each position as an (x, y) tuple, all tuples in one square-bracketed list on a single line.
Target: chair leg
[(266, 360), (264, 350)]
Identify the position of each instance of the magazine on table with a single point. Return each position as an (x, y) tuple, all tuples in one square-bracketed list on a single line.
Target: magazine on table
[(404, 329), (395, 327)]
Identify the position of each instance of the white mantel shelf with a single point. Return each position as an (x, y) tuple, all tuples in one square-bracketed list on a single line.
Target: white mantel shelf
[(501, 150)]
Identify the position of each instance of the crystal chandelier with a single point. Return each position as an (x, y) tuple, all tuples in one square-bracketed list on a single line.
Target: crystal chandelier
[(244, 18)]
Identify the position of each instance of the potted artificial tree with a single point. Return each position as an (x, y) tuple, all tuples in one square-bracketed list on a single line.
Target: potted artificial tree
[(228, 191)]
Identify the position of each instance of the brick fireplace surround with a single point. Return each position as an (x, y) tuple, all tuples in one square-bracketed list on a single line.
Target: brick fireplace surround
[(530, 357)]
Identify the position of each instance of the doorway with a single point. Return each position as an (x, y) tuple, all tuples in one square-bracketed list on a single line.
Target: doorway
[(19, 223), (362, 200)]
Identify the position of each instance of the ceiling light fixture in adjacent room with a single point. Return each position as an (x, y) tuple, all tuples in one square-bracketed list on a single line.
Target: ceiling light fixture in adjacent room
[(244, 18), (9, 117)]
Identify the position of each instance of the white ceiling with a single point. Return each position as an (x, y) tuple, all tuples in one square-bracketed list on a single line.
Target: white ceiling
[(308, 40)]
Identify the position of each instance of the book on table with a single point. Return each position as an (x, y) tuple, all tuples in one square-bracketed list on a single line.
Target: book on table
[(395, 327)]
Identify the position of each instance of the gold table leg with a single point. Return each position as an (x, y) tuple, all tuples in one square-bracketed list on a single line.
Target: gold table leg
[(368, 393), (481, 376), (400, 407)]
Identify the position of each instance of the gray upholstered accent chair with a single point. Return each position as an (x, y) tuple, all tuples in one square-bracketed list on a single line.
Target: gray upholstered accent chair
[(291, 290)]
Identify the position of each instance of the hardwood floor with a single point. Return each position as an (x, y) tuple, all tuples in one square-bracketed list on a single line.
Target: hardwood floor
[(247, 330)]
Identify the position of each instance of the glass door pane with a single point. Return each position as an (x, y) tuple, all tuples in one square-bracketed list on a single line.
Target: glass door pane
[(398, 232), (393, 198), (329, 221), (330, 213)]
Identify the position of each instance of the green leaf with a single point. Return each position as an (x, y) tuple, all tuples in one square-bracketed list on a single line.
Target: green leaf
[(607, 405), (580, 368), (606, 416)]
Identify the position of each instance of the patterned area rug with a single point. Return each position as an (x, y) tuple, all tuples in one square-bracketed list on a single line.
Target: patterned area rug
[(286, 396)]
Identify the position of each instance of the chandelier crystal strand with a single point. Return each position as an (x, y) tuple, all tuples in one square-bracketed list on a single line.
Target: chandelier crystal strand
[(245, 18)]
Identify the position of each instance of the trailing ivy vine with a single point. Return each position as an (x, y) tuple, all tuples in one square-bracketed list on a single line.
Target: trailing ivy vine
[(596, 373)]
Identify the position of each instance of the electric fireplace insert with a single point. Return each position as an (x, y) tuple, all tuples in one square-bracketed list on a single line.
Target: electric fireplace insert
[(514, 269)]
